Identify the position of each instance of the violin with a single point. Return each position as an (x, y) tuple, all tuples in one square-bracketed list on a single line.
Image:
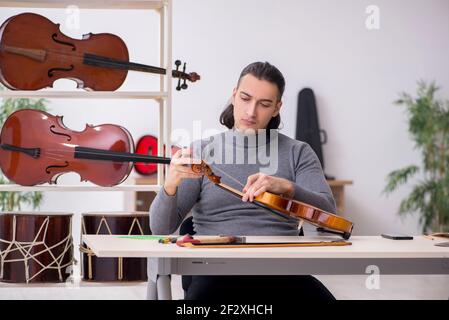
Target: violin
[(286, 208), (34, 53), (36, 147)]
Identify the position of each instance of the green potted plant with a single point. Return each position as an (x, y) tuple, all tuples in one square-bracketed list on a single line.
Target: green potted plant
[(10, 201), (428, 120)]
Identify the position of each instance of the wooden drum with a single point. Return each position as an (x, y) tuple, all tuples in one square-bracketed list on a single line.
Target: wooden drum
[(113, 223), (35, 247)]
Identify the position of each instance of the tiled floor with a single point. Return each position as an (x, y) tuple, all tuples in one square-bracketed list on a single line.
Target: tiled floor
[(343, 287)]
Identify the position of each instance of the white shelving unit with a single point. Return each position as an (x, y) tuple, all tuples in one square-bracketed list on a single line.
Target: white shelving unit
[(77, 188), (88, 4), (81, 94), (163, 96)]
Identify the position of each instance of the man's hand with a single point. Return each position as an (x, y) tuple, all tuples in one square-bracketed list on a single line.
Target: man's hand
[(259, 183), (180, 168)]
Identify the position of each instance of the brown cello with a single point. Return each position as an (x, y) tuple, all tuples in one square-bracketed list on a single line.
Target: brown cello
[(34, 53), (36, 147)]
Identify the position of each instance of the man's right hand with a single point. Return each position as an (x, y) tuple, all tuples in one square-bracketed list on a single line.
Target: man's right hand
[(180, 168)]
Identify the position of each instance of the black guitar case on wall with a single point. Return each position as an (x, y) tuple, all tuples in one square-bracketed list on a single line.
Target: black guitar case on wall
[(307, 125)]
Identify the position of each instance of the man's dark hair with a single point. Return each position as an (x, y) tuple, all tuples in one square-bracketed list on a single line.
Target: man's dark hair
[(262, 71)]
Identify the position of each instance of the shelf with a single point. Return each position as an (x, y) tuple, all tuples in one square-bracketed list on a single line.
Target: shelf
[(84, 94), (163, 96), (76, 188), (338, 183), (86, 4)]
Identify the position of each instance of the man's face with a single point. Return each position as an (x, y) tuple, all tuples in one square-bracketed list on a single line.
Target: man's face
[(255, 103)]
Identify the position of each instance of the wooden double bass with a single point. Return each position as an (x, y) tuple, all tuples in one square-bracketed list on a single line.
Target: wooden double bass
[(34, 53), (36, 147)]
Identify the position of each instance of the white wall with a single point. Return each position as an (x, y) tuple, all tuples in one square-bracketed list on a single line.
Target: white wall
[(356, 75)]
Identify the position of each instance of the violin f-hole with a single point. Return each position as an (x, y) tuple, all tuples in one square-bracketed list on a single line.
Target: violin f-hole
[(50, 72), (47, 170), (54, 35), (69, 138)]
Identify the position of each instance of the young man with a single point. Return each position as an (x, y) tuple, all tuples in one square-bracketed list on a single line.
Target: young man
[(239, 156)]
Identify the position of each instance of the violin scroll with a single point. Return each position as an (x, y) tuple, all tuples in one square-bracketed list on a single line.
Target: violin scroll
[(205, 169), (182, 75)]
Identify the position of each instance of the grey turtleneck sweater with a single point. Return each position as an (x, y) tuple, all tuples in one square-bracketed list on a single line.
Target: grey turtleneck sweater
[(234, 156)]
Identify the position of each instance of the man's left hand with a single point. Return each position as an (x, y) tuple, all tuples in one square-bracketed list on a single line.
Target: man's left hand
[(259, 183)]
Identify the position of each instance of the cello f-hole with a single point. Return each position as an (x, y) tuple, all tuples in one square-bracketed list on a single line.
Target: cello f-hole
[(50, 72), (54, 35), (69, 138), (47, 170)]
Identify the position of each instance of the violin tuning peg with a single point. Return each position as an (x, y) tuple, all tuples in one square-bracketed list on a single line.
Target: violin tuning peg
[(177, 63), (184, 85)]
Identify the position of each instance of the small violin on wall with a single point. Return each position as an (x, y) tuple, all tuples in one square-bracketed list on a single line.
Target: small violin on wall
[(34, 53)]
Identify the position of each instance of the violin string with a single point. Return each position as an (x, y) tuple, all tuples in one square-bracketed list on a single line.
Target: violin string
[(116, 63), (82, 58), (58, 152), (61, 158), (57, 155), (227, 175)]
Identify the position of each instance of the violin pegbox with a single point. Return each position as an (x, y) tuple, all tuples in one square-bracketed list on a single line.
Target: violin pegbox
[(183, 76), (205, 169)]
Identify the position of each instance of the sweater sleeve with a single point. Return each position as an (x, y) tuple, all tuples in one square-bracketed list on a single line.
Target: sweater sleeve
[(310, 184), (167, 212)]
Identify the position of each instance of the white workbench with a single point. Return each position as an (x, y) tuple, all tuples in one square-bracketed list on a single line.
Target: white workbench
[(418, 256)]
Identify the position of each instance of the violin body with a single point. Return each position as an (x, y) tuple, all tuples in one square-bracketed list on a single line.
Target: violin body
[(35, 53), (47, 150), (300, 210)]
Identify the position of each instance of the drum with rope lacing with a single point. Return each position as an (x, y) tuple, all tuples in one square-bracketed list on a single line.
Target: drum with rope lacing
[(35, 247), (113, 223)]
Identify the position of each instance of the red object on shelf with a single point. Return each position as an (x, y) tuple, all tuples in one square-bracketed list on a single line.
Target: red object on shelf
[(147, 145)]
